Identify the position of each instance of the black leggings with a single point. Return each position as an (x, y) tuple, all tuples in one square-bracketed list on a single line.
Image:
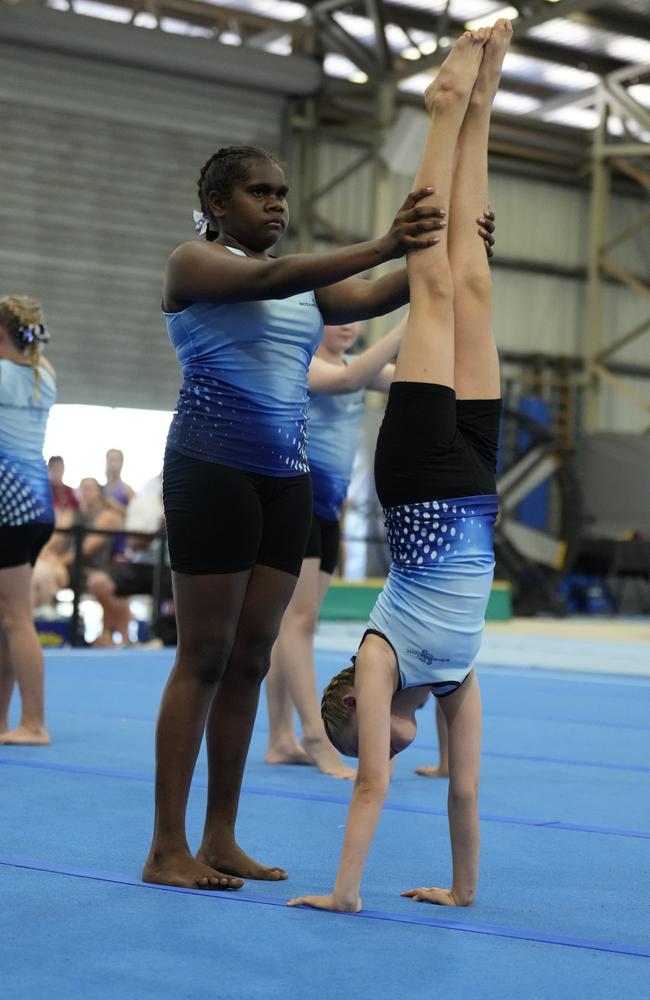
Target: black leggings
[(323, 543), (21, 544), (432, 446), (225, 520)]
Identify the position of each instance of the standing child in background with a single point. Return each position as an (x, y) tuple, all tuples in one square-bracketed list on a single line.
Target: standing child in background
[(27, 392), (115, 489), (337, 389), (435, 471)]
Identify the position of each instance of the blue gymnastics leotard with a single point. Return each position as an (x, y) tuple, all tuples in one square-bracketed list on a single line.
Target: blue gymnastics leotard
[(25, 494), (244, 393), (432, 607), (334, 422)]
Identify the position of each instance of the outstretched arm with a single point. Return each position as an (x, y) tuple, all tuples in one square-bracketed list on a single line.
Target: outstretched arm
[(207, 272), (462, 711), (362, 372), (374, 687), (359, 299)]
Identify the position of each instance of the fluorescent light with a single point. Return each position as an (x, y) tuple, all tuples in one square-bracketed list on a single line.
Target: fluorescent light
[(629, 50), (569, 77), (107, 11), (641, 93), (411, 53), (280, 46), (281, 10), (487, 20), (416, 84), (516, 104), (343, 68), (176, 27), (575, 117), (358, 27), (145, 20), (428, 47)]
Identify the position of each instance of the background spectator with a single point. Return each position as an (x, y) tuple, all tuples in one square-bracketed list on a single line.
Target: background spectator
[(134, 572), (63, 496), (115, 490), (55, 566)]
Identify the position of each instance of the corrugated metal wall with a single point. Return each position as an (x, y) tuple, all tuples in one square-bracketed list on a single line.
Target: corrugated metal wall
[(97, 185)]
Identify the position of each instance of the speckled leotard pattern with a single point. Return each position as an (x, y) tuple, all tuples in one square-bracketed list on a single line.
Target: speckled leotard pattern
[(244, 395), (432, 607), (25, 494)]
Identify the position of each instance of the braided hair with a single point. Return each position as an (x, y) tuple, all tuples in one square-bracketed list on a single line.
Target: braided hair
[(230, 165), (23, 320), (333, 712)]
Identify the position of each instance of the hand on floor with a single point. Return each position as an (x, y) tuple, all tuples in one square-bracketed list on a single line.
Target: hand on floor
[(441, 897), (327, 903)]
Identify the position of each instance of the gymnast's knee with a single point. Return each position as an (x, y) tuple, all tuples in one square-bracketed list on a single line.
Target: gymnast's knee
[(205, 658)]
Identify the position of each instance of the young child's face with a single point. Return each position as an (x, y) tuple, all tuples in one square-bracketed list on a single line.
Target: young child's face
[(402, 733)]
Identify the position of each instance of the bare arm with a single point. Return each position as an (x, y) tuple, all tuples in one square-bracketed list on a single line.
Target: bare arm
[(362, 372), (374, 687), (207, 272), (384, 380), (358, 298), (462, 711)]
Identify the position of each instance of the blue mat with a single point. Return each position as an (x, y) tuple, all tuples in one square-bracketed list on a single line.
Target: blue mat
[(562, 909)]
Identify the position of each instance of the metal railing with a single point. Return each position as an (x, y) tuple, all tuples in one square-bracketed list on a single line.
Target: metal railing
[(78, 532)]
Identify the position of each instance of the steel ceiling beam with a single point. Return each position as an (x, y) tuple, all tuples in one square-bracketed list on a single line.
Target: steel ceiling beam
[(375, 11)]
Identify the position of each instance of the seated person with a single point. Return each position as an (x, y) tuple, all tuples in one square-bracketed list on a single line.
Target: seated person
[(54, 568), (134, 572)]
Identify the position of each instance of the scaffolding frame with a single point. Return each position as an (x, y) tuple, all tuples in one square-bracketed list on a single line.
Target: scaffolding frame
[(624, 154)]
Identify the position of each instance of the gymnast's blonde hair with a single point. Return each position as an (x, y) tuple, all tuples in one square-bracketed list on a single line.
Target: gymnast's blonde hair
[(20, 315), (333, 712)]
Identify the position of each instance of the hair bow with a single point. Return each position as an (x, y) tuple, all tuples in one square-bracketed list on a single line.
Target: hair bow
[(34, 331), (200, 222)]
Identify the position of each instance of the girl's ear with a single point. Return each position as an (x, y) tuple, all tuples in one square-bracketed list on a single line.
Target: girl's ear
[(349, 700), (217, 205)]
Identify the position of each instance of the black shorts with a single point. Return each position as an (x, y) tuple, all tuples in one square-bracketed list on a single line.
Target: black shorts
[(138, 578), (323, 543), (225, 520), (21, 544), (432, 446)]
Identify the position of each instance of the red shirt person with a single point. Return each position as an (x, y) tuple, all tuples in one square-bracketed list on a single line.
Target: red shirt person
[(63, 496)]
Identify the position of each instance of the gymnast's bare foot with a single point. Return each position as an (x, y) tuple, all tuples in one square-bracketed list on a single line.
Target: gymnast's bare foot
[(429, 771), (290, 753), (26, 736), (487, 81), (326, 759), (457, 75), (232, 860), (182, 870)]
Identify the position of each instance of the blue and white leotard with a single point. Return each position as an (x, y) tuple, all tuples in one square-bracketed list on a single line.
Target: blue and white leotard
[(25, 494), (432, 607), (334, 422), (244, 393)]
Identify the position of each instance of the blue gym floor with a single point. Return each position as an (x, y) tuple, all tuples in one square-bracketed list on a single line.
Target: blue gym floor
[(562, 910)]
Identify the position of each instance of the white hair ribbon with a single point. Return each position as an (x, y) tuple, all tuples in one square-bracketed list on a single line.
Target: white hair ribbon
[(200, 222)]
